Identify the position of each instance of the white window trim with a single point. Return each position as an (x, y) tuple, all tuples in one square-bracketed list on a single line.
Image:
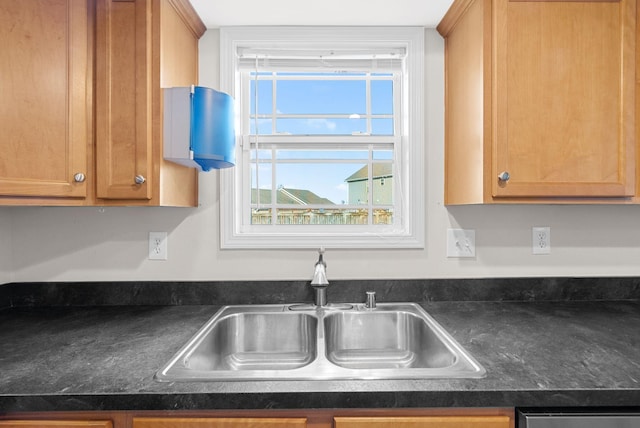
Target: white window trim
[(410, 234)]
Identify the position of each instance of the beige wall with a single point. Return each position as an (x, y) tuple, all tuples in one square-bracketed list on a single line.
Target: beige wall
[(111, 244), (5, 245)]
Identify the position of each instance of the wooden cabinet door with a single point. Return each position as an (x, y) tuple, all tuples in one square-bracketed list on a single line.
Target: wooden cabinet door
[(44, 110), (423, 422), (564, 98), (54, 424), (123, 99), (219, 422)]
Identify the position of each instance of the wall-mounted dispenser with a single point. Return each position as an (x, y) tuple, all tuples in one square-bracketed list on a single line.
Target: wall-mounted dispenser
[(199, 130)]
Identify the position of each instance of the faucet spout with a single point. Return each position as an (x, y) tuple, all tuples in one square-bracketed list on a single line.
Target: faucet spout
[(319, 282)]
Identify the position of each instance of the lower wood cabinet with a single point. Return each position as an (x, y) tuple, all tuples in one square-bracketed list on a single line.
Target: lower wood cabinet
[(219, 422), (294, 418), (55, 424), (423, 422)]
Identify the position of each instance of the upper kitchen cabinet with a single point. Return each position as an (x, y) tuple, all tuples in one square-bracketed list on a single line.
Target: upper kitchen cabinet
[(45, 110), (142, 46), (539, 100), (81, 106)]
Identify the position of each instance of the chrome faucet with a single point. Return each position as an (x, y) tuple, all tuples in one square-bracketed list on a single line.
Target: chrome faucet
[(320, 281)]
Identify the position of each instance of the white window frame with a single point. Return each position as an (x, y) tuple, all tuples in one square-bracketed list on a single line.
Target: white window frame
[(235, 233)]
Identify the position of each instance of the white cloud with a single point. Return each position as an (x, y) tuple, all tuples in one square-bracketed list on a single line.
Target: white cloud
[(321, 123)]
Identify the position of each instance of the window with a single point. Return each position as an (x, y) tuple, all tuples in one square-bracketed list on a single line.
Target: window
[(329, 124)]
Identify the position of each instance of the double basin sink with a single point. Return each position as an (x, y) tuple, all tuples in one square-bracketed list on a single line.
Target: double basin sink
[(261, 342)]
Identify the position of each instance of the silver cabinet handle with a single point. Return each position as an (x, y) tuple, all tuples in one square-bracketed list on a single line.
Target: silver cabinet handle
[(140, 179), (79, 177), (504, 176)]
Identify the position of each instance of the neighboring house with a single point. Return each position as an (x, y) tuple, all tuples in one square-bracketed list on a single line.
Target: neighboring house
[(382, 185), (297, 214), (289, 196), (306, 206)]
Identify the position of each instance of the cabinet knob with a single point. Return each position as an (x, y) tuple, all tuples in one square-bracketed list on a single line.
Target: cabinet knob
[(140, 179), (79, 177), (504, 176)]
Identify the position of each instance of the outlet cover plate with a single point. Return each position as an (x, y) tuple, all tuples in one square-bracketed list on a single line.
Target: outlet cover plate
[(541, 240), (158, 245), (461, 243)]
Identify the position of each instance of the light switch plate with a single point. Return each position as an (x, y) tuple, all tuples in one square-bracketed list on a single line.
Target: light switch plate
[(461, 243)]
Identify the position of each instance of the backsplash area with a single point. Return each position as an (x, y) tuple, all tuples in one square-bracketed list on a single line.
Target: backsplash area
[(262, 292), (84, 244), (5, 246)]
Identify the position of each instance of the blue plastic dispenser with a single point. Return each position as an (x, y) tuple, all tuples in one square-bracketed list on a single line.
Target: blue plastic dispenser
[(199, 130)]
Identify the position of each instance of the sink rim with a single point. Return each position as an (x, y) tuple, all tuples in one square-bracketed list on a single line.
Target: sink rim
[(321, 368)]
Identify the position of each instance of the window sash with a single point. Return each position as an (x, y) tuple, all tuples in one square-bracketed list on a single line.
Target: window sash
[(249, 115), (274, 162), (365, 58)]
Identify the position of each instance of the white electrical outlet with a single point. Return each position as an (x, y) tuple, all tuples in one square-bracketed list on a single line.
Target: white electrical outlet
[(157, 245), (541, 240), (461, 243)]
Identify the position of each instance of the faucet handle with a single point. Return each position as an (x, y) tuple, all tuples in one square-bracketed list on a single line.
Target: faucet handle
[(371, 300), (320, 271), (321, 256)]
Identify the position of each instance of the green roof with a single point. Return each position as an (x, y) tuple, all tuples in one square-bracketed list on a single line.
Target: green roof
[(380, 170), (289, 196)]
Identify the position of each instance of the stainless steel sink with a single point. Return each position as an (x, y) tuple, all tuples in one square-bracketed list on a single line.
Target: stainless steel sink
[(255, 341), (392, 341)]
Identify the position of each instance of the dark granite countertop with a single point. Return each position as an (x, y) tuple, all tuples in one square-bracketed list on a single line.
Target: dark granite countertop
[(536, 352)]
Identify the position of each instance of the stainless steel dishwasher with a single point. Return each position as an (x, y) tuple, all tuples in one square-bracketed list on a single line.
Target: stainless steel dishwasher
[(557, 419)]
